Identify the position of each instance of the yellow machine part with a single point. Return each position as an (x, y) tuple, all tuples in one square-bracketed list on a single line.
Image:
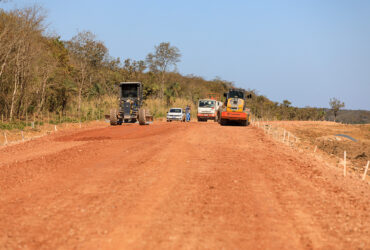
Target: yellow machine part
[(232, 106), (248, 115)]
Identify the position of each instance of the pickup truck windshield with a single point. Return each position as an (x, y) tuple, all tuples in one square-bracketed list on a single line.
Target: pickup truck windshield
[(206, 104), (175, 110)]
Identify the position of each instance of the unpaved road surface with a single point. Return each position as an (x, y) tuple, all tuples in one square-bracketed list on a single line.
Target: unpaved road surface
[(175, 186)]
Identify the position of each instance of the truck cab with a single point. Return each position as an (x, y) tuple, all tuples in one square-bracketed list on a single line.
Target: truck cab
[(207, 110)]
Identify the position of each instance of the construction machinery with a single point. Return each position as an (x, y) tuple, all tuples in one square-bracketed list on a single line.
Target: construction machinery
[(234, 109), (130, 107)]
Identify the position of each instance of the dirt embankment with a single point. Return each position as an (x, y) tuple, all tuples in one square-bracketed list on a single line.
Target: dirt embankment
[(327, 137), (175, 185), (16, 136)]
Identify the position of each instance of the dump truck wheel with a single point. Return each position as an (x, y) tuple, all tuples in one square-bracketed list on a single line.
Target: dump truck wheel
[(113, 117), (223, 122), (142, 117), (244, 123)]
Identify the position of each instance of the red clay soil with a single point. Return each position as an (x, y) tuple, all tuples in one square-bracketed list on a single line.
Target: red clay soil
[(177, 186)]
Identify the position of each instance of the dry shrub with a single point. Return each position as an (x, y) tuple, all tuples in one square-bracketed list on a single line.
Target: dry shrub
[(159, 108)]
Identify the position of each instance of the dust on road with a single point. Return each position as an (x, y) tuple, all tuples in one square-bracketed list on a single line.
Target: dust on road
[(177, 185)]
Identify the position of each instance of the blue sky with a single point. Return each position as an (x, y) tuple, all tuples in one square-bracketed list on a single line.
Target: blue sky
[(306, 51)]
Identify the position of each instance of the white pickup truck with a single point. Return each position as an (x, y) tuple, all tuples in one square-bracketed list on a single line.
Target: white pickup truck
[(207, 109), (176, 114)]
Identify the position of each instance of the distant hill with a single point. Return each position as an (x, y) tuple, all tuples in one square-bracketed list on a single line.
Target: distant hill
[(349, 116)]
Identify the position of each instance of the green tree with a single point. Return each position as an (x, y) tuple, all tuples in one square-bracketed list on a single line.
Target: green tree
[(286, 103), (88, 55), (161, 60), (336, 105)]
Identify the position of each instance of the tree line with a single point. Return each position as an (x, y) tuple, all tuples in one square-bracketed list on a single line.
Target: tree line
[(41, 74)]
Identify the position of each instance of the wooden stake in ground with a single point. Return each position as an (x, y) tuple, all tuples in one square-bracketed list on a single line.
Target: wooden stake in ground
[(22, 135), (344, 164), (5, 139), (55, 128), (315, 149), (366, 168), (284, 136)]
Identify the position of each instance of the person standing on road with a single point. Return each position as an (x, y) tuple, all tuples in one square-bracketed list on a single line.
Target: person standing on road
[(187, 112)]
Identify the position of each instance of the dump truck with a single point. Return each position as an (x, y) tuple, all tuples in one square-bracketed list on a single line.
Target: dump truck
[(234, 109), (130, 108)]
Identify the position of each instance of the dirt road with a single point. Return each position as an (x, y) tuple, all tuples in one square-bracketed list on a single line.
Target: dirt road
[(177, 186)]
